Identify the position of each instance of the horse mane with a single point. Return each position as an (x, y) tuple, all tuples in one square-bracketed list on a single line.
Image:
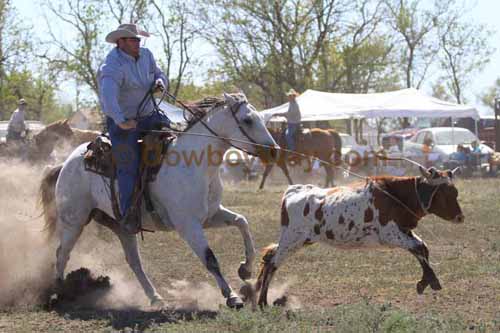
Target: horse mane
[(199, 109)]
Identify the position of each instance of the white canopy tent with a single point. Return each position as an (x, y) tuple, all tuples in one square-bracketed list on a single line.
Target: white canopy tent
[(316, 105)]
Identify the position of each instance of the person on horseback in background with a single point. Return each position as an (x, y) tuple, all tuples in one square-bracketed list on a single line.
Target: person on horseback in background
[(16, 125), (293, 119), (124, 78)]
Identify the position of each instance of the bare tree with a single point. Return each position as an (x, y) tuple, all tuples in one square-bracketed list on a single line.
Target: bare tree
[(80, 57), (178, 34), (14, 42), (465, 51), (359, 58), (128, 11), (417, 30), (273, 45)]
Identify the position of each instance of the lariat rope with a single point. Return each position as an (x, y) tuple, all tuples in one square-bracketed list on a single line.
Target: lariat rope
[(367, 179), (254, 143)]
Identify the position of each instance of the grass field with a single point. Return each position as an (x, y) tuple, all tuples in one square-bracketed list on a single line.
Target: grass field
[(328, 289)]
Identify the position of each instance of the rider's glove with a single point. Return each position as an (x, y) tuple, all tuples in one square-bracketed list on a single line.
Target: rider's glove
[(159, 85)]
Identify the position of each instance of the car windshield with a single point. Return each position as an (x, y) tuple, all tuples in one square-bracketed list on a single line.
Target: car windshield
[(454, 137), (347, 141)]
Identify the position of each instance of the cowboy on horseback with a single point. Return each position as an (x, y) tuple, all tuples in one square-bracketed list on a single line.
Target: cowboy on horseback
[(17, 125), (125, 78), (293, 118)]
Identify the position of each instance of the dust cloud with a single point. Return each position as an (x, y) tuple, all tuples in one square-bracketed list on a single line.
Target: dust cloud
[(27, 258)]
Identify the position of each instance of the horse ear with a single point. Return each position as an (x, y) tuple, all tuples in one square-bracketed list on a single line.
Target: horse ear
[(454, 172), (228, 98), (424, 172)]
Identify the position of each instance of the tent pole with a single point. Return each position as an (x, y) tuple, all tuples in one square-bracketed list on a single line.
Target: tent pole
[(453, 130)]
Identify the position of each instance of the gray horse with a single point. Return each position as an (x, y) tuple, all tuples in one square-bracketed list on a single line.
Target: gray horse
[(186, 193)]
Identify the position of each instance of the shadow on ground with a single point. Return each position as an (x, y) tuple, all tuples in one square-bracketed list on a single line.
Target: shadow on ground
[(136, 319), (78, 298)]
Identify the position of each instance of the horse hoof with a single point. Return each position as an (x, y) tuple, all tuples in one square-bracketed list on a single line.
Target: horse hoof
[(234, 302), (421, 285), (435, 285), (157, 302), (244, 273)]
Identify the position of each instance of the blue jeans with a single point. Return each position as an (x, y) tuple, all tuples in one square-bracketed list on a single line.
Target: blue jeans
[(291, 134), (126, 153), (14, 136)]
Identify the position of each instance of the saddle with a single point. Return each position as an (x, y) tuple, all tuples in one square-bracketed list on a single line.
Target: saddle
[(153, 147), (98, 159)]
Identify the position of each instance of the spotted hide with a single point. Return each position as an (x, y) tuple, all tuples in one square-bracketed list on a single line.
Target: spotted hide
[(380, 212)]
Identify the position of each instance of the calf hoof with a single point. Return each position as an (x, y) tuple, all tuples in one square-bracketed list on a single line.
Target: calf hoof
[(247, 292), (157, 302), (262, 304), (421, 285), (234, 302), (282, 301), (243, 272)]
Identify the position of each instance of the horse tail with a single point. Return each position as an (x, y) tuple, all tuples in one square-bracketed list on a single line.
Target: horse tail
[(267, 254), (46, 195)]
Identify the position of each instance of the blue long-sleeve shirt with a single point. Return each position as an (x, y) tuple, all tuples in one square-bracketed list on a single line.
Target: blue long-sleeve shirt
[(123, 82)]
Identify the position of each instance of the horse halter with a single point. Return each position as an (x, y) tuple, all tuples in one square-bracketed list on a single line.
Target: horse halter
[(431, 182)]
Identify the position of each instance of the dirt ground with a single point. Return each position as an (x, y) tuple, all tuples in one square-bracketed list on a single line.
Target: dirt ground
[(318, 280)]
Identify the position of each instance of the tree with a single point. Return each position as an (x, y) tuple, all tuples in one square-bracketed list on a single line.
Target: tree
[(359, 58), (87, 20), (414, 28), (80, 58), (127, 11), (90, 20), (177, 34), (465, 52), (488, 97), (38, 93), (14, 54), (272, 45)]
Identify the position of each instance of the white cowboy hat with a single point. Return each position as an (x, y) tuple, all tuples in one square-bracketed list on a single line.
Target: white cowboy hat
[(128, 30)]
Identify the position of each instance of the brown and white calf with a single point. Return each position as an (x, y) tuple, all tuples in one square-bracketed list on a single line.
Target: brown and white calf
[(382, 211)]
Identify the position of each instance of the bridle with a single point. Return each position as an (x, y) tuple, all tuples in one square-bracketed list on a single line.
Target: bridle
[(234, 109)]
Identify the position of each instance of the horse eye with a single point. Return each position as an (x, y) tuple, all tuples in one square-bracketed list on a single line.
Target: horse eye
[(248, 121)]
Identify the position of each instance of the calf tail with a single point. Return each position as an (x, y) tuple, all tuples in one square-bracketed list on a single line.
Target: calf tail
[(47, 199), (267, 254)]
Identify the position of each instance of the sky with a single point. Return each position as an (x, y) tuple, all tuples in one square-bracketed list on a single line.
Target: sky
[(484, 12)]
